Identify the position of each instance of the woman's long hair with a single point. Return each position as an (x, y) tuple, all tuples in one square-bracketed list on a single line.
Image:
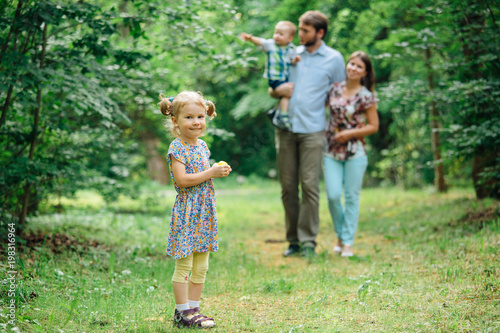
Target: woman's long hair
[(369, 80)]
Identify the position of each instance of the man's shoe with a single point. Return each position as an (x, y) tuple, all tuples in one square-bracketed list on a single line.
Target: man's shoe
[(308, 252), (293, 250)]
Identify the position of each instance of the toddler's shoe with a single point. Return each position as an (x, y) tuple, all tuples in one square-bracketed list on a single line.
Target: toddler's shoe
[(276, 117), (285, 121)]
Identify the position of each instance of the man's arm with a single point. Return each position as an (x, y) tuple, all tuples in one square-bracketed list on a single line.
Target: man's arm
[(340, 72), (337, 70), (284, 90)]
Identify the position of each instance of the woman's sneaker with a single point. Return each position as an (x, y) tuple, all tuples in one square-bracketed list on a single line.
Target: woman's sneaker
[(347, 251)]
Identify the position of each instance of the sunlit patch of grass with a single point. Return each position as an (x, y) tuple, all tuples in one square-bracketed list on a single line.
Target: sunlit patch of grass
[(419, 266)]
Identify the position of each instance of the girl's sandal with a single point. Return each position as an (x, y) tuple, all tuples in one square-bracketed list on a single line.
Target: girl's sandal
[(208, 322), (193, 319)]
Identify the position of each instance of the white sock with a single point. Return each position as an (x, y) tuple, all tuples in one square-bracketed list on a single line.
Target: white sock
[(182, 307), (194, 304)]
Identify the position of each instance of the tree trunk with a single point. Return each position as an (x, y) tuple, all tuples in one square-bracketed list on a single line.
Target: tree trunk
[(12, 30), (124, 30), (6, 105), (472, 22), (439, 181), (485, 188), (157, 166), (34, 132)]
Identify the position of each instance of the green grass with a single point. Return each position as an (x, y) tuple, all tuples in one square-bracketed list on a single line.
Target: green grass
[(424, 262)]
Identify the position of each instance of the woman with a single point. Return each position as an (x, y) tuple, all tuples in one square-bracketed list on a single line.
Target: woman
[(353, 115)]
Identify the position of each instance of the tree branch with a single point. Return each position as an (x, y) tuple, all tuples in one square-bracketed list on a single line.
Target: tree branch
[(16, 15), (27, 187), (55, 32), (26, 43), (491, 14), (6, 105)]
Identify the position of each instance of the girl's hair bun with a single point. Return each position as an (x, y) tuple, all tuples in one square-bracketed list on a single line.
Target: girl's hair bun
[(166, 105), (210, 109)]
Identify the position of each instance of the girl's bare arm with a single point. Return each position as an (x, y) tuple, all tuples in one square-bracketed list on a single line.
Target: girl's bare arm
[(184, 179)]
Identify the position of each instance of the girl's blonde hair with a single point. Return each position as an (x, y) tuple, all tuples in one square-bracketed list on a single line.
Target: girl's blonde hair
[(172, 106)]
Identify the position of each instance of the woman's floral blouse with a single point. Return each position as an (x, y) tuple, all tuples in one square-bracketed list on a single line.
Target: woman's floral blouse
[(346, 114)]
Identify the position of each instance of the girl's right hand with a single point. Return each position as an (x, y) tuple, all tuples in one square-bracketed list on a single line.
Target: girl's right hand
[(220, 171)]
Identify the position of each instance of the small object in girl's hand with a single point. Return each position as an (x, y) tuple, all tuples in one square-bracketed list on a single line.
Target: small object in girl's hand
[(222, 163)]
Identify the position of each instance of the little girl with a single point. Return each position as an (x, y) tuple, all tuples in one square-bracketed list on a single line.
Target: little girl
[(193, 228)]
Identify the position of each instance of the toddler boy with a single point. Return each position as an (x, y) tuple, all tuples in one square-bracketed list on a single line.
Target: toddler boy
[(280, 55)]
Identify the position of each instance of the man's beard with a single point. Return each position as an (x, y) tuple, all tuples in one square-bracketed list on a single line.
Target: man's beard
[(311, 43)]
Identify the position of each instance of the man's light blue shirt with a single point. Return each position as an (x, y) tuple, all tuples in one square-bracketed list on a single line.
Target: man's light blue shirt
[(312, 76)]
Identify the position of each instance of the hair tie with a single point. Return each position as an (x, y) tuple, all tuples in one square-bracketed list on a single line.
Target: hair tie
[(171, 99), (206, 103)]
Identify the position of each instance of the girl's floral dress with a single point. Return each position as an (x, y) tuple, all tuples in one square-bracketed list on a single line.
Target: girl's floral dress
[(193, 227), (346, 114)]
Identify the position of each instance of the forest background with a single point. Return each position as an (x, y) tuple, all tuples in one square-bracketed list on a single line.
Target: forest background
[(79, 83)]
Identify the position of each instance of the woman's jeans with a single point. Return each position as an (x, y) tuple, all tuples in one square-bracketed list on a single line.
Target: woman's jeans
[(349, 175)]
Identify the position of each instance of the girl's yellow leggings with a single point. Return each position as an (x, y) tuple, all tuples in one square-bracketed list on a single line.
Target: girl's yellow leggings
[(197, 264)]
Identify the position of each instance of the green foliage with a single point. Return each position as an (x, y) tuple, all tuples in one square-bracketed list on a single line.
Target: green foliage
[(404, 161), (79, 83), (253, 103), (475, 130), (78, 97), (396, 34), (465, 72), (58, 121)]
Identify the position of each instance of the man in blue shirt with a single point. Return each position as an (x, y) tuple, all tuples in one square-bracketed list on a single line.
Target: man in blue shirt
[(300, 149)]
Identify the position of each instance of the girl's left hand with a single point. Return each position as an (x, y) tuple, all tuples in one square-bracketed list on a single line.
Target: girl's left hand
[(220, 171), (342, 136)]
